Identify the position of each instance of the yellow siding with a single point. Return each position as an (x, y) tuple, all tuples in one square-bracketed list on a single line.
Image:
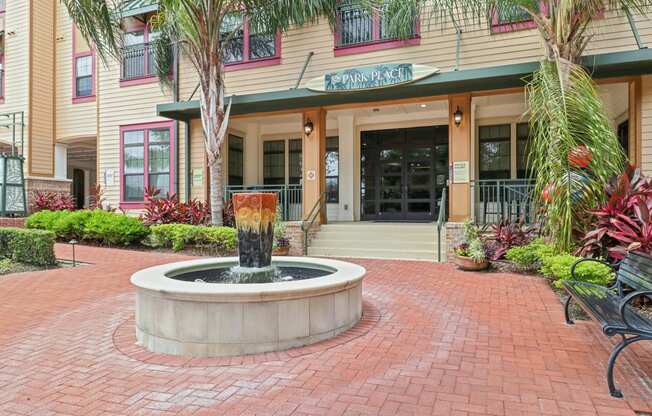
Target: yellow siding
[(42, 24), (73, 120), (646, 124), (16, 63), (479, 48), (120, 106)]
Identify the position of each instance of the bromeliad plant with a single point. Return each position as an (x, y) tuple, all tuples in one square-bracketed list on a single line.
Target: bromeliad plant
[(53, 201), (624, 222), (169, 210), (505, 235)]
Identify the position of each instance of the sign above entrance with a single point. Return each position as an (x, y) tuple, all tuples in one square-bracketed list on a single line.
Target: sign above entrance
[(370, 77)]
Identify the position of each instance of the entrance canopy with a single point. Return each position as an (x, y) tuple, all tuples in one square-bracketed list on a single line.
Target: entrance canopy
[(498, 77)]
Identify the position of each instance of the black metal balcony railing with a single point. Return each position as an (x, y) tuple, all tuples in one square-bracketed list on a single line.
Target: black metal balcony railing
[(138, 61), (289, 198), (355, 26), (511, 199)]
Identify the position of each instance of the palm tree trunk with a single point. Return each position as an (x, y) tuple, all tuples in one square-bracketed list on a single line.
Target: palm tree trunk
[(217, 189)]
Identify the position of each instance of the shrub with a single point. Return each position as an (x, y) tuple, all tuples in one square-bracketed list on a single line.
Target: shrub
[(558, 267), (170, 210), (97, 226), (53, 201), (624, 222), (178, 236), (530, 256), (228, 214), (28, 246), (506, 235), (114, 229)]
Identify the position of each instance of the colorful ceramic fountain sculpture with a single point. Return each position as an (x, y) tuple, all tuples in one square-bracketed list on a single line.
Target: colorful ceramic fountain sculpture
[(255, 214)]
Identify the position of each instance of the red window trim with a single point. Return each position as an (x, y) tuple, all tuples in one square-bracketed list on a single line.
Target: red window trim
[(376, 44), (145, 127), (248, 63), (75, 98), (146, 79), (497, 27)]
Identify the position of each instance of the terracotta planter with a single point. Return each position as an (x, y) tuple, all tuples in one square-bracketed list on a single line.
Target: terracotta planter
[(467, 264), (281, 251)]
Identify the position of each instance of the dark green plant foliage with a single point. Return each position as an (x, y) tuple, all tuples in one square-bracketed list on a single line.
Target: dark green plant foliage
[(178, 236), (97, 226), (28, 246)]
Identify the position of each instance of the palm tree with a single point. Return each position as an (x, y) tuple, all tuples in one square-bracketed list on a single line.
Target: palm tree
[(573, 149), (200, 31)]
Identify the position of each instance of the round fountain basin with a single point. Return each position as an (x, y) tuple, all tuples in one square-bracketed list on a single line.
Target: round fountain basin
[(198, 319)]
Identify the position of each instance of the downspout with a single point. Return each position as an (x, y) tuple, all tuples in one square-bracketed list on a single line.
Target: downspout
[(632, 25), (303, 70), (175, 98), (458, 47), (187, 157)]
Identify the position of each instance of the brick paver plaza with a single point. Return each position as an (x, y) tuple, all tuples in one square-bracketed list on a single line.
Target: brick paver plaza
[(433, 341)]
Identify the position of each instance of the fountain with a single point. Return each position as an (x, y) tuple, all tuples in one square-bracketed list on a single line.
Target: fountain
[(248, 304)]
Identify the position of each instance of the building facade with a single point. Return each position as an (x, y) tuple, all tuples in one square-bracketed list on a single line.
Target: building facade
[(377, 126)]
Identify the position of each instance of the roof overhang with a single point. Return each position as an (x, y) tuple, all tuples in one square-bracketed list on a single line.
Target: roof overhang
[(616, 64), (137, 7)]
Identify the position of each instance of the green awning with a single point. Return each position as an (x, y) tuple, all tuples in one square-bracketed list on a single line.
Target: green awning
[(138, 7), (616, 64)]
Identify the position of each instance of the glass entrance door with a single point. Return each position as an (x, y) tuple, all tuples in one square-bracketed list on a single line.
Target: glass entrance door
[(403, 173)]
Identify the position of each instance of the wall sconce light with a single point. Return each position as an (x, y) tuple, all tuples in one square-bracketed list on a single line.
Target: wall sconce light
[(308, 127), (457, 117)]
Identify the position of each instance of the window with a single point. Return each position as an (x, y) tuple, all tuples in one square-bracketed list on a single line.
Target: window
[(332, 170), (147, 160), (236, 160), (3, 6), (274, 162), (522, 140), (248, 46), (138, 55), (495, 154), (295, 156), (510, 19), (84, 76), (356, 27)]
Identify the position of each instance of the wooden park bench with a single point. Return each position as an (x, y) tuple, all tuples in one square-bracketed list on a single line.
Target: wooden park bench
[(612, 306)]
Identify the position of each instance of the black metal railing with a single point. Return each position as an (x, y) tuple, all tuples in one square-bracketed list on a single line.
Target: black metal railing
[(289, 198), (441, 220), (316, 212), (357, 26), (138, 61), (497, 200)]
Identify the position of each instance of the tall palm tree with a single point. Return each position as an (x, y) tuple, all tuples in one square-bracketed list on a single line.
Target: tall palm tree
[(568, 123), (201, 31)]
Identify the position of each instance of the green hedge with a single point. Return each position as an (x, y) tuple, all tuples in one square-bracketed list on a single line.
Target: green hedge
[(178, 236), (97, 226), (28, 246), (530, 256)]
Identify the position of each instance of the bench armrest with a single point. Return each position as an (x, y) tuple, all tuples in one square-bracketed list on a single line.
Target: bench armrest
[(578, 262), (627, 300)]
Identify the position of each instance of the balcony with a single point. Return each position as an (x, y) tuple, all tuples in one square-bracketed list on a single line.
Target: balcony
[(138, 61), (356, 27), (510, 199), (289, 198)]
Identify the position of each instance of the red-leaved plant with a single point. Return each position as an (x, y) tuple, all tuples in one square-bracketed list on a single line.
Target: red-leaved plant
[(505, 235), (53, 201), (169, 210), (623, 223)]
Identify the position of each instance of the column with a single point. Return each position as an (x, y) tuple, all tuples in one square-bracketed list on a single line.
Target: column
[(60, 161), (251, 156), (314, 151), (346, 128), (459, 151)]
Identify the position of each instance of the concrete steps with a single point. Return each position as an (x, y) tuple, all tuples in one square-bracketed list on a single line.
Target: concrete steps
[(409, 241)]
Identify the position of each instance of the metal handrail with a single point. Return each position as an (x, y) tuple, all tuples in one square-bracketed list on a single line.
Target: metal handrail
[(311, 218), (441, 218)]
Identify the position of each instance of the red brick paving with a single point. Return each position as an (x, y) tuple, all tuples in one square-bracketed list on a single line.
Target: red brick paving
[(442, 342)]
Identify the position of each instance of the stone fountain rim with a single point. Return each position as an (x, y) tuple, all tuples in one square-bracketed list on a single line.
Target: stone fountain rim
[(156, 282)]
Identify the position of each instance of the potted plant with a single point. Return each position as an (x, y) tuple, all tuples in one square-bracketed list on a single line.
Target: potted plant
[(281, 241), (471, 254)]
